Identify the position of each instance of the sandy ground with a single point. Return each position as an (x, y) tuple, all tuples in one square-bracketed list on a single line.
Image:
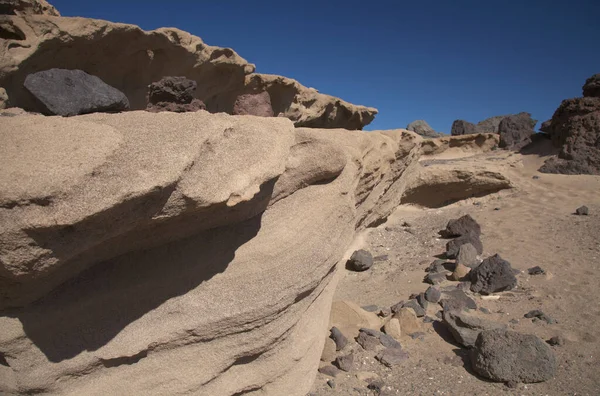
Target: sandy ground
[(532, 224)]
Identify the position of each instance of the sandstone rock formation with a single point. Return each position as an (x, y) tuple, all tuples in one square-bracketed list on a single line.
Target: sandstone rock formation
[(421, 127), (575, 129), (473, 143), (179, 253), (73, 92), (27, 7), (131, 59)]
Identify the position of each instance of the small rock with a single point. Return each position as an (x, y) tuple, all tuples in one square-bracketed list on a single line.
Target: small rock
[(435, 278), (345, 362), (376, 385), (392, 328), (453, 246), (504, 355), (512, 384), (537, 270), (3, 99), (418, 335), (514, 321), (467, 256), (419, 311), (460, 272), (465, 328), (538, 314), (331, 384), (462, 226), (496, 208), (366, 376), (384, 312), (331, 371), (422, 301), (392, 356), (457, 300), (409, 323), (536, 177), (485, 310), (428, 319), (383, 257), (436, 266), (493, 275), (582, 211), (370, 308), (439, 315), (340, 340), (361, 260), (388, 341), (328, 354), (433, 294), (556, 341), (368, 341)]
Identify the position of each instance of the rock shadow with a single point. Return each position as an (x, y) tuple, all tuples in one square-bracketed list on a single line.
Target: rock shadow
[(86, 312)]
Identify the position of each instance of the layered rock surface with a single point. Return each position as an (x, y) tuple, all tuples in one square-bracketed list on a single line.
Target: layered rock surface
[(130, 59), (179, 253)]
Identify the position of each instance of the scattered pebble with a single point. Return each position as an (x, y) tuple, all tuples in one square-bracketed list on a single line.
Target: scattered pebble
[(556, 341), (433, 294), (345, 362), (330, 371), (537, 270), (582, 211), (340, 340), (331, 384)]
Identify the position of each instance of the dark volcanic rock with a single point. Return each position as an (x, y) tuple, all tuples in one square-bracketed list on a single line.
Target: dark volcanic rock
[(546, 125), (462, 127), (410, 304), (340, 340), (433, 294), (422, 128), (435, 278), (175, 94), (453, 246), (367, 340), (258, 104), (72, 92), (556, 341), (330, 370), (457, 300), (582, 211), (575, 129), (504, 356), (540, 315), (345, 362), (172, 89), (592, 86), (537, 270), (516, 131), (361, 260), (462, 226), (436, 266), (465, 328), (467, 256), (490, 125), (392, 356), (493, 275)]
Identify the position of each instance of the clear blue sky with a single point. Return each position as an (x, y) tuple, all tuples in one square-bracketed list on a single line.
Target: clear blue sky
[(435, 60)]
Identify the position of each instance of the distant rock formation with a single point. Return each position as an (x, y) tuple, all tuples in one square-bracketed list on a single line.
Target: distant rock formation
[(179, 253), (462, 127), (421, 127), (515, 130), (131, 59), (27, 7), (575, 129)]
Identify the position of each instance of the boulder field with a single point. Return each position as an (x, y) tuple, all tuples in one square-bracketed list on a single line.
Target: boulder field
[(166, 253)]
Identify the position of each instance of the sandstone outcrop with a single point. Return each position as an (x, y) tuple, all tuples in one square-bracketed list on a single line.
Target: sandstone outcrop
[(575, 130), (459, 145), (130, 59), (179, 253), (27, 7)]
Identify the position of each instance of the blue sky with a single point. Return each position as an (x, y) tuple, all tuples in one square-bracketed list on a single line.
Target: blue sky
[(435, 60)]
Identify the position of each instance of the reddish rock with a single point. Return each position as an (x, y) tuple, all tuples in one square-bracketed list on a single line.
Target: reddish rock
[(254, 104)]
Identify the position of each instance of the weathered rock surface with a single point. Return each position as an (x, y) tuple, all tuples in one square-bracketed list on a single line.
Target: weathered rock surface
[(73, 92), (467, 256), (361, 260), (466, 327), (516, 130), (474, 143), (421, 127), (27, 7), (575, 129), (453, 246), (3, 99), (490, 125), (131, 59), (582, 211), (200, 247), (508, 356), (254, 104), (592, 86), (493, 275), (175, 94), (462, 127), (461, 226)]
